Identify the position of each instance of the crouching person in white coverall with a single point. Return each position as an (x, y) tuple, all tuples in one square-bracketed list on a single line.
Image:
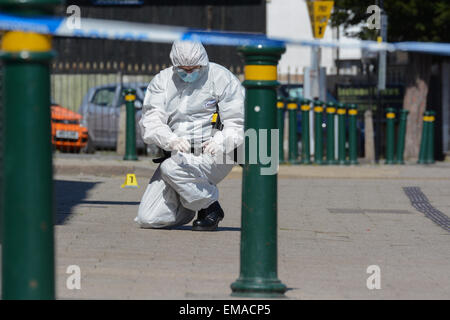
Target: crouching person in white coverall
[(177, 116)]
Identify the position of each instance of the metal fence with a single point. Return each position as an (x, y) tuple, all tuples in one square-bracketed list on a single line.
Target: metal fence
[(230, 15)]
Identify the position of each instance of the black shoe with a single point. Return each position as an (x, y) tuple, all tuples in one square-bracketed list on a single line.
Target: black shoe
[(209, 218)]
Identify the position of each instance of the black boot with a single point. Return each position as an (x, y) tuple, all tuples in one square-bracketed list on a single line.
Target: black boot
[(208, 219)]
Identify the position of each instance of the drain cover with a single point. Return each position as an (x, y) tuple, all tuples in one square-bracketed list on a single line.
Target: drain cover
[(421, 203)]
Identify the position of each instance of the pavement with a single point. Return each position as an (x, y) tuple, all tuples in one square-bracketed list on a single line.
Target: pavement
[(334, 222)]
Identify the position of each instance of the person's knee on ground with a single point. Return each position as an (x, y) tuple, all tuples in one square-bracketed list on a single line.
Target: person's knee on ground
[(160, 206), (209, 210), (196, 191)]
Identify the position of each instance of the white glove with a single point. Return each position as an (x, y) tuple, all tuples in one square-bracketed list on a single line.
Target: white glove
[(210, 147), (213, 146), (179, 144)]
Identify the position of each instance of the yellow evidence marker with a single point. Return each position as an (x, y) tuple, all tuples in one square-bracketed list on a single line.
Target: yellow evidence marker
[(130, 181)]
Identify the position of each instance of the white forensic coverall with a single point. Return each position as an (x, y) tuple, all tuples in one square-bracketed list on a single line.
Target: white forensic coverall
[(172, 108)]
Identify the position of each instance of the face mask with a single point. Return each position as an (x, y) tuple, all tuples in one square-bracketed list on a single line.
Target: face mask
[(188, 77)]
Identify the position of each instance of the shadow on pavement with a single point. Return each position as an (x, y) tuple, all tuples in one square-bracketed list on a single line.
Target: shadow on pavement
[(123, 203), (189, 227), (68, 194)]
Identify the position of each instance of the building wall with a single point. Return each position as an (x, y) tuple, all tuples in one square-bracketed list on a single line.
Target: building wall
[(142, 58), (83, 63), (290, 19)]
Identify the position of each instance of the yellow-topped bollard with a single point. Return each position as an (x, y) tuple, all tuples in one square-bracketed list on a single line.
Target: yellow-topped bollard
[(341, 112), (390, 134), (130, 144), (305, 109), (330, 111), (258, 275), (426, 153), (292, 107), (28, 264), (280, 122), (318, 132), (352, 134)]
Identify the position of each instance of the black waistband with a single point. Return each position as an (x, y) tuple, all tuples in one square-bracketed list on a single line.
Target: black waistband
[(168, 154)]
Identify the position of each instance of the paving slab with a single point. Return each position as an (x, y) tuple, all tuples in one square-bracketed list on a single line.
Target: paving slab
[(333, 223)]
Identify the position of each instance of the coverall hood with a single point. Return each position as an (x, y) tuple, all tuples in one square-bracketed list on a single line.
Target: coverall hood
[(188, 53)]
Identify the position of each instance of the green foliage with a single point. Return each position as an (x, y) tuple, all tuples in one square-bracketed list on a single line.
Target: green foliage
[(408, 20)]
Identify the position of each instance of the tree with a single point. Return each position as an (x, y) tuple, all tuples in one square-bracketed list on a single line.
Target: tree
[(409, 20)]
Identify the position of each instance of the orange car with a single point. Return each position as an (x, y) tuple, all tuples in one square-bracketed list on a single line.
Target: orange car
[(67, 133)]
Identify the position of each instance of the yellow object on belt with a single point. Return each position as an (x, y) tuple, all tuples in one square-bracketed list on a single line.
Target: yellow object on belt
[(214, 117)]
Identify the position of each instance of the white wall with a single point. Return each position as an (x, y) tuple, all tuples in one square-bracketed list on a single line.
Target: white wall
[(290, 19)]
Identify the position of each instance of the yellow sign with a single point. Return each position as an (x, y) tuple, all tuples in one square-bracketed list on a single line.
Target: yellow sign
[(319, 14), (130, 181)]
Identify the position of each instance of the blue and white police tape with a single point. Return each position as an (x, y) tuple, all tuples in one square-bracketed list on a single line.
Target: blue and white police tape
[(124, 30)]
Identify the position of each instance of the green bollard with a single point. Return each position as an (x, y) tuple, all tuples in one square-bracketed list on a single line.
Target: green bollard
[(424, 139), (401, 136), (318, 142), (341, 111), (130, 146), (280, 120), (429, 157), (331, 111), (390, 135), (352, 131), (258, 254), (292, 108), (305, 107), (28, 265)]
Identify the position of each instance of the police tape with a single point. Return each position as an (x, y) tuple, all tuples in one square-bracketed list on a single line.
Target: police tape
[(132, 31)]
